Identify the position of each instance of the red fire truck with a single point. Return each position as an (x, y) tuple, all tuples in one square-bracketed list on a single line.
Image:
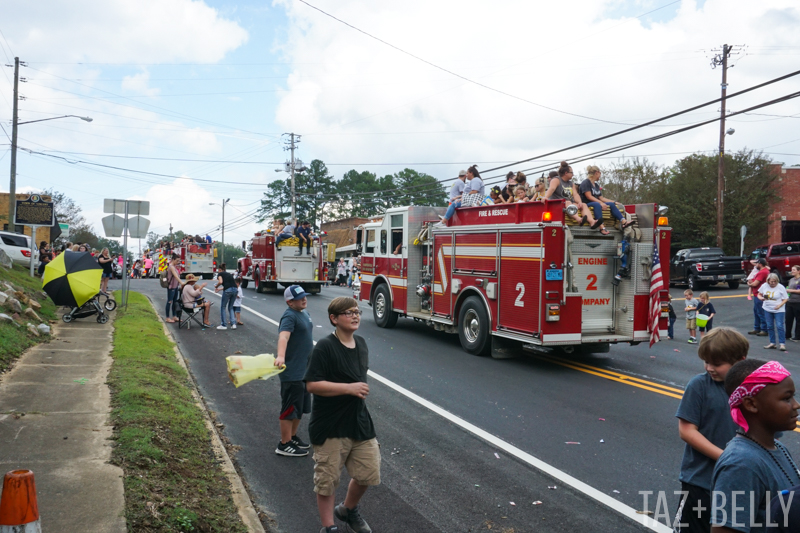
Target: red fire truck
[(196, 258), (269, 266), (506, 275)]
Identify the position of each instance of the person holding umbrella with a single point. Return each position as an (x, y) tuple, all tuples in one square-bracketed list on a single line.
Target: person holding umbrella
[(72, 279)]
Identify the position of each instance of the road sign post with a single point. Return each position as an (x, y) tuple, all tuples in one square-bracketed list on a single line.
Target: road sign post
[(34, 212), (117, 226)]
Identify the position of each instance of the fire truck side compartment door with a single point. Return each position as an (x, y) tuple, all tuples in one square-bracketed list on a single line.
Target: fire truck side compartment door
[(442, 274), (519, 281), (594, 266)]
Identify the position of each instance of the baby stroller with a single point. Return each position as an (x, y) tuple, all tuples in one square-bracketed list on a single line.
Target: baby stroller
[(92, 307)]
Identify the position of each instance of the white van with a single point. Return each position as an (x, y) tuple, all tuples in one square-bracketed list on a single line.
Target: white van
[(18, 248)]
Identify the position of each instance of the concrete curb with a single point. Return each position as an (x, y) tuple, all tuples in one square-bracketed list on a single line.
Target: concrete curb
[(241, 498)]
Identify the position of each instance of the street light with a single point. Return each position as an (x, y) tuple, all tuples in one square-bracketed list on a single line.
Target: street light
[(222, 252), (12, 187)]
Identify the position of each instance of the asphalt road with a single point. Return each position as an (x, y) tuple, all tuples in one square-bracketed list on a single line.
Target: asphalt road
[(606, 420)]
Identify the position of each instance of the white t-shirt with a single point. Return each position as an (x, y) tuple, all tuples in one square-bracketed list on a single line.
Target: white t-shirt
[(773, 296), (239, 297)]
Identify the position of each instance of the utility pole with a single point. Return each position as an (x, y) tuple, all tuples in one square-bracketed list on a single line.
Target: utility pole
[(12, 186), (721, 60), (222, 253), (294, 201)]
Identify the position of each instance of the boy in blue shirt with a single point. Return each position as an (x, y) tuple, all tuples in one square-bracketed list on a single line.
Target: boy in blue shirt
[(705, 425)]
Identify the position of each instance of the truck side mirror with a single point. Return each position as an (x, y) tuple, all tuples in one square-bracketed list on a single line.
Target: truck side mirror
[(359, 236)]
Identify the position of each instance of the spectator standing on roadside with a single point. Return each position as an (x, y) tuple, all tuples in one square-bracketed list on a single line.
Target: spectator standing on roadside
[(227, 284), (706, 308), (105, 262), (774, 298), (760, 278), (341, 428), (341, 272), (755, 466), (45, 256), (672, 318), (793, 306), (173, 285), (295, 343), (456, 195), (237, 303), (691, 315), (148, 266), (705, 425)]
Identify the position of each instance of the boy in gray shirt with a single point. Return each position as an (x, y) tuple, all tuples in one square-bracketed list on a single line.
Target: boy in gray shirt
[(691, 315)]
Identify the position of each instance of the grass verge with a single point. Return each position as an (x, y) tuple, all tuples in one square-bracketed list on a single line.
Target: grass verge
[(172, 479), (13, 339)]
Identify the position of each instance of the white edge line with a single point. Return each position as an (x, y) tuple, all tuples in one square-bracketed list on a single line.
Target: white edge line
[(563, 477)]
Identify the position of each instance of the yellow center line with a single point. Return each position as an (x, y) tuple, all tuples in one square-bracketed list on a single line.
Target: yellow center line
[(619, 378)]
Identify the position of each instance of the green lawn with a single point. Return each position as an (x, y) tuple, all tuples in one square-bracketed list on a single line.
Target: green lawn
[(15, 340), (172, 480)]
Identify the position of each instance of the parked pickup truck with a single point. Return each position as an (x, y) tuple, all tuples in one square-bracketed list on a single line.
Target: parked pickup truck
[(700, 267), (780, 258)]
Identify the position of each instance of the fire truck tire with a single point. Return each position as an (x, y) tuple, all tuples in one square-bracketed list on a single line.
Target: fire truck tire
[(473, 327), (258, 282), (382, 308), (692, 283), (244, 283)]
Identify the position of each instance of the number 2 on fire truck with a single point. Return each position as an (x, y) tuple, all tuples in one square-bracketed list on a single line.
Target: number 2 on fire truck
[(518, 302)]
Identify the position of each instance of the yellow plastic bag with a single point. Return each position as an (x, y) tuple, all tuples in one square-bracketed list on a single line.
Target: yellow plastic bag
[(245, 368)]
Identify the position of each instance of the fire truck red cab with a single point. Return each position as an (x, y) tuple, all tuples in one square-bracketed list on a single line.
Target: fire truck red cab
[(507, 274), (270, 267)]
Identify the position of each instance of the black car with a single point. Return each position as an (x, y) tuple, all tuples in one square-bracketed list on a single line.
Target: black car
[(701, 267)]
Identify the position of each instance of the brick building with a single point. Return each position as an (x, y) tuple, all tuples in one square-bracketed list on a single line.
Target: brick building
[(784, 221), (342, 232), (42, 233)]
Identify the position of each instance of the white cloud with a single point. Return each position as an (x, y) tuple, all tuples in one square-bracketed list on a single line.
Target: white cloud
[(138, 83), (352, 95)]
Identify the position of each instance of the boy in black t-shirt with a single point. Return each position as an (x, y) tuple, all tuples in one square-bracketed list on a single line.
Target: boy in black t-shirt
[(341, 428)]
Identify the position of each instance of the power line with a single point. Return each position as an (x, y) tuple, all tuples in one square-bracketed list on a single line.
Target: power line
[(468, 80)]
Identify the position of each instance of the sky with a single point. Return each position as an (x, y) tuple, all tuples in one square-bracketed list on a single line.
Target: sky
[(190, 99)]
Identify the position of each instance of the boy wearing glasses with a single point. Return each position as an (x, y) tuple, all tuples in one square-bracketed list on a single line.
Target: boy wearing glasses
[(341, 428)]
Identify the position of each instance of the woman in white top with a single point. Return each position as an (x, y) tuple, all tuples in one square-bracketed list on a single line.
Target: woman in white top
[(774, 296)]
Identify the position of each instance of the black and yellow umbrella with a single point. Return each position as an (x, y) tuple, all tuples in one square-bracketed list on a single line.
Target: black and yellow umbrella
[(72, 278)]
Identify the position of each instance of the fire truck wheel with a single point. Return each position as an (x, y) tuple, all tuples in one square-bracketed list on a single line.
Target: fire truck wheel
[(259, 283), (473, 327), (244, 283), (382, 308), (692, 283)]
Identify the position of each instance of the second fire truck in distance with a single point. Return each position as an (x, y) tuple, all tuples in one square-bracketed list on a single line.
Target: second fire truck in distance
[(270, 267), (196, 258), (503, 276)]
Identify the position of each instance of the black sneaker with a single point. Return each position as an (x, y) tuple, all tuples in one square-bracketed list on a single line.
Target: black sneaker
[(331, 529), (352, 518), (298, 443), (290, 450)]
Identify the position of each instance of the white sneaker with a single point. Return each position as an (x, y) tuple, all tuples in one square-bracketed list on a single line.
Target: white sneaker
[(233, 326), (222, 327), (441, 217)]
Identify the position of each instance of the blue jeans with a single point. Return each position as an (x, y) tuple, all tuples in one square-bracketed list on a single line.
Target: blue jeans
[(172, 302), (597, 207), (451, 210), (776, 320), (228, 297), (759, 322), (671, 328)]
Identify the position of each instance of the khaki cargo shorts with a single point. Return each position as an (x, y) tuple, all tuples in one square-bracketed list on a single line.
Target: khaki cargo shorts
[(691, 323), (362, 458)]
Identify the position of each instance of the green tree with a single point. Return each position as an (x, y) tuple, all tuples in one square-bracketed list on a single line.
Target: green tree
[(232, 254), (691, 195), (68, 212), (635, 181), (418, 189), (313, 189)]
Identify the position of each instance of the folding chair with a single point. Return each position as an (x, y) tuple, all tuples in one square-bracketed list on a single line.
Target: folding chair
[(192, 314)]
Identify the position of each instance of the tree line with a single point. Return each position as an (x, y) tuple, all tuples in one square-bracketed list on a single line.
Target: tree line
[(321, 198)]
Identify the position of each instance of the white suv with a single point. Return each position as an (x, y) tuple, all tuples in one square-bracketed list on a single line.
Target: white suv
[(18, 248)]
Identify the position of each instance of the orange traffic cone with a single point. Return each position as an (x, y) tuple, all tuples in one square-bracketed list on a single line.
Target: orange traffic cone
[(19, 512)]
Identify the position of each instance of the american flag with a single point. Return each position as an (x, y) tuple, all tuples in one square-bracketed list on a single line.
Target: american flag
[(656, 284)]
